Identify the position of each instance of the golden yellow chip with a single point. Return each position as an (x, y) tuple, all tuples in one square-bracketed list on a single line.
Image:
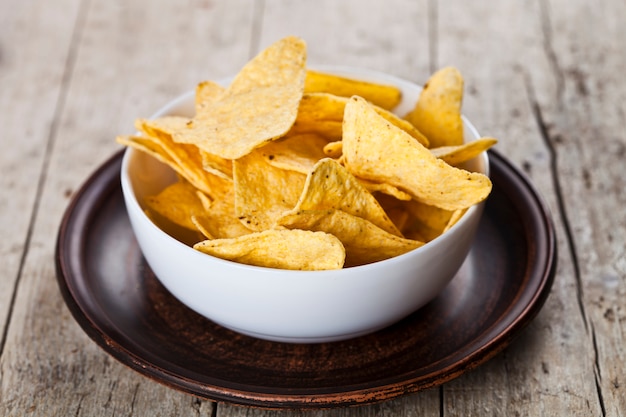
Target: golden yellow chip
[(260, 105), (426, 222), (364, 242), (382, 95), (384, 188), (396, 211), (177, 203), (437, 113), (187, 158), (183, 164), (322, 113), (207, 92), (374, 149), (454, 219), (284, 249), (217, 165), (149, 146), (329, 186), (263, 192), (455, 155), (221, 222), (333, 149), (297, 153)]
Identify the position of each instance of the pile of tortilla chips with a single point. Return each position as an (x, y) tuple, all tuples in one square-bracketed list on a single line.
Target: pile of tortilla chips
[(295, 169)]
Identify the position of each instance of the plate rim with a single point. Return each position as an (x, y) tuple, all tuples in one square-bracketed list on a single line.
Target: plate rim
[(476, 356)]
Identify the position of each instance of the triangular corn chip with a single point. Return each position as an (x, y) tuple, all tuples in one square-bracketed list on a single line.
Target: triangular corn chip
[(297, 153), (456, 155), (382, 95), (376, 150), (260, 105), (364, 242), (262, 191), (329, 186), (283, 249), (437, 113)]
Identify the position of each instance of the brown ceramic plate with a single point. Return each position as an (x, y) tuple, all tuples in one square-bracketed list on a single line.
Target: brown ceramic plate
[(119, 303)]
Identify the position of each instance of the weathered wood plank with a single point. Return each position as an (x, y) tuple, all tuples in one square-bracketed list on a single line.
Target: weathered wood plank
[(586, 127), (390, 36), (532, 58), (129, 59), (35, 39)]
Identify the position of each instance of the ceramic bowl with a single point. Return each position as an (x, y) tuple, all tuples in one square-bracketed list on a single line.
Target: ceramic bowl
[(295, 306)]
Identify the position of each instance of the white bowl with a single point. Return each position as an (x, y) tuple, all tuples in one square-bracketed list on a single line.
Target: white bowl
[(295, 306)]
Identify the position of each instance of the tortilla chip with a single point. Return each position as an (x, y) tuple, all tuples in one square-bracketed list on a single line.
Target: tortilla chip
[(437, 113), (221, 222), (178, 203), (426, 222), (207, 93), (382, 95), (374, 149), (323, 113), (263, 192), (217, 165), (297, 153), (329, 186), (456, 155), (259, 106), (364, 242), (283, 249), (333, 149)]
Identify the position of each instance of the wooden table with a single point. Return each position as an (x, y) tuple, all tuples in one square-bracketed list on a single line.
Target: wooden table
[(545, 77)]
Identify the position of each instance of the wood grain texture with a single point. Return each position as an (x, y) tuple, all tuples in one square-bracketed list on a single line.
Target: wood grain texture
[(34, 46), (552, 127), (543, 76), (127, 59)]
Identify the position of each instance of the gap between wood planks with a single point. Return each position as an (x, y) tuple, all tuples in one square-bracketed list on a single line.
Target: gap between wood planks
[(549, 142)]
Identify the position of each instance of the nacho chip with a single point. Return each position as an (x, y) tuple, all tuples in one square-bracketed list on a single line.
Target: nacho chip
[(322, 113), (437, 113), (384, 188), (149, 146), (385, 96), (333, 149), (179, 160), (329, 186), (364, 242), (263, 192), (456, 155), (221, 222), (426, 222), (283, 249), (178, 203), (297, 153), (396, 211), (259, 106), (187, 158), (217, 165), (207, 93), (454, 219), (374, 149)]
